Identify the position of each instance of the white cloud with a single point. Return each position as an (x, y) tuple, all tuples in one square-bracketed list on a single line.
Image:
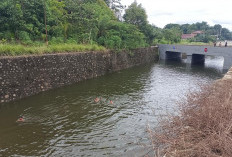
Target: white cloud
[(163, 12)]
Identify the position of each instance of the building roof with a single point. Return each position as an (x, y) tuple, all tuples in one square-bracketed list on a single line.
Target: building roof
[(187, 36)]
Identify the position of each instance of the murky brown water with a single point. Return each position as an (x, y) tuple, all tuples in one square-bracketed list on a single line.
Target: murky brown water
[(67, 121)]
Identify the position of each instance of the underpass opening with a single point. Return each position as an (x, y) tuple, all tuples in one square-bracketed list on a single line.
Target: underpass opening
[(174, 56), (198, 59)]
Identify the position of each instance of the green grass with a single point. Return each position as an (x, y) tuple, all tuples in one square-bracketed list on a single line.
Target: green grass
[(182, 42), (186, 42), (17, 49)]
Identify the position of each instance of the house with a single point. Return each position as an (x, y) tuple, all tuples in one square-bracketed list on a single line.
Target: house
[(187, 36), (192, 35)]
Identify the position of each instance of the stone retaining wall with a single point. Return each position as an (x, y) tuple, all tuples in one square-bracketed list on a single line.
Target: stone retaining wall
[(28, 75)]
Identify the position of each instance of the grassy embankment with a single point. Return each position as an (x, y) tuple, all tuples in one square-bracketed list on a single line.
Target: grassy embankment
[(182, 42), (18, 49), (8, 49), (202, 129), (186, 42)]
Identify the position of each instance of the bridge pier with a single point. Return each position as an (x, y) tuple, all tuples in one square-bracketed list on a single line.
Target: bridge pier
[(189, 59)]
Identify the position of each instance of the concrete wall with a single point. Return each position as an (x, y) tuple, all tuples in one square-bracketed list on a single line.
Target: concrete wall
[(28, 75)]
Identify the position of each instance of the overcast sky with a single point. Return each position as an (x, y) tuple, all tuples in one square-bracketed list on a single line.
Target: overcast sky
[(162, 12)]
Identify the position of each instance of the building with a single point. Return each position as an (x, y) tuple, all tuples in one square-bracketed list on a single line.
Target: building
[(192, 35), (187, 36)]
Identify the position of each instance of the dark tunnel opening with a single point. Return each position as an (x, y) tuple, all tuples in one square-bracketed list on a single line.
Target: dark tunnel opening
[(174, 56), (198, 59)]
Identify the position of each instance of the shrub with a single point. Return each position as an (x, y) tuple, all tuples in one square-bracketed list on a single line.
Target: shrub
[(113, 42), (202, 129), (24, 36), (56, 40), (119, 35), (71, 41)]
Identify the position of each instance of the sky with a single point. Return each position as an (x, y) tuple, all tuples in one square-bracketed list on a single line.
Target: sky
[(162, 12)]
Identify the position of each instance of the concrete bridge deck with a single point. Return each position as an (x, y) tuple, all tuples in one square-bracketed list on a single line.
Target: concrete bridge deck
[(195, 53)]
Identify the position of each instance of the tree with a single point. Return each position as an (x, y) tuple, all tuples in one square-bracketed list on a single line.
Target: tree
[(202, 26), (11, 19), (149, 32), (169, 26), (56, 21), (157, 32), (226, 34), (172, 35), (24, 19), (118, 35), (218, 29), (115, 5), (185, 28), (206, 38), (88, 19), (136, 15)]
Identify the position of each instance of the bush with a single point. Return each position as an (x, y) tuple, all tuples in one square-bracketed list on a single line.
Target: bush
[(113, 42), (204, 38), (71, 41), (160, 41), (56, 40), (203, 128), (7, 35), (119, 35), (24, 36)]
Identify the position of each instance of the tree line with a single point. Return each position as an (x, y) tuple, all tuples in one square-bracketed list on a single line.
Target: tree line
[(72, 21), (89, 22), (210, 33)]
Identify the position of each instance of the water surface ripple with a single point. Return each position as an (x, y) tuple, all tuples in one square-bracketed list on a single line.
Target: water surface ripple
[(68, 122)]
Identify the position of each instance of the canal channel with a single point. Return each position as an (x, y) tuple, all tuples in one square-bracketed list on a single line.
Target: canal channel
[(69, 122)]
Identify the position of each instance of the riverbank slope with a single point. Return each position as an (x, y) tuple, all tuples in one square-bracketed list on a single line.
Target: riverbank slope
[(203, 127)]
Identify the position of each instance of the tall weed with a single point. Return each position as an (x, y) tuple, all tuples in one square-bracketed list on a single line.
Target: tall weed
[(17, 49), (203, 128)]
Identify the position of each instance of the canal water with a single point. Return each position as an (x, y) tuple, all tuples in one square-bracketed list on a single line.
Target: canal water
[(68, 122)]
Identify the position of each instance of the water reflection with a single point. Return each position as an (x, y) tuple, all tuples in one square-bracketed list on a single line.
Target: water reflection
[(213, 65), (68, 122)]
